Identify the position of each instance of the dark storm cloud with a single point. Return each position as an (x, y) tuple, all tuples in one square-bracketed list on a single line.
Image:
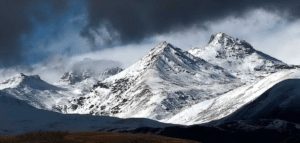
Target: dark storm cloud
[(136, 19), (126, 21), (16, 19)]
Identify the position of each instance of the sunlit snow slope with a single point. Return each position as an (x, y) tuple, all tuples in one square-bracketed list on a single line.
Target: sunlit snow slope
[(230, 102), (19, 117), (279, 102)]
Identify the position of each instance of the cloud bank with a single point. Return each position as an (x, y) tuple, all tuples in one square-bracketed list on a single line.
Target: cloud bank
[(36, 32)]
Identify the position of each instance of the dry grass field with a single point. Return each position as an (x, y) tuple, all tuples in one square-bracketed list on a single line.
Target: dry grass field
[(64, 137)]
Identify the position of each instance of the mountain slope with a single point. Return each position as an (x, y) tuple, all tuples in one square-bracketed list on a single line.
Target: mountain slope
[(232, 101), (238, 57), (257, 131), (279, 102), (19, 117), (161, 84)]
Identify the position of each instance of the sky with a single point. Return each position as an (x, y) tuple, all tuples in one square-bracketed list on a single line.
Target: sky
[(35, 33)]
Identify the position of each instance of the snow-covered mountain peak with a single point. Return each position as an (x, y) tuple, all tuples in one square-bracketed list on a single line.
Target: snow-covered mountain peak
[(218, 37), (72, 77), (162, 47), (21, 77), (227, 46), (87, 77), (15, 81), (33, 90), (22, 80), (237, 56), (152, 59)]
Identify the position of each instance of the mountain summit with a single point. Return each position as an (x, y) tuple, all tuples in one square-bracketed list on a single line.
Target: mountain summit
[(238, 57), (30, 81), (33, 90)]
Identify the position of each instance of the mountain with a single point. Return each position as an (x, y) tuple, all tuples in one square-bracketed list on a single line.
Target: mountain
[(19, 117), (43, 95), (162, 83), (238, 57), (225, 83)]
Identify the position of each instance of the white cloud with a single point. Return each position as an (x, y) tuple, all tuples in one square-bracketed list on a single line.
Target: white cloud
[(127, 54)]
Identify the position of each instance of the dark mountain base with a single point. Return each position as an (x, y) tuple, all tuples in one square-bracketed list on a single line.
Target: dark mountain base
[(260, 131), (63, 137)]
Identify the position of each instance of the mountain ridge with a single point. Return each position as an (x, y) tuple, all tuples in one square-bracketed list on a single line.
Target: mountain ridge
[(168, 84), (157, 75)]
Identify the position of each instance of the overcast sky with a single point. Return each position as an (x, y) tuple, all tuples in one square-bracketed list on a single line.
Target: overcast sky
[(35, 31)]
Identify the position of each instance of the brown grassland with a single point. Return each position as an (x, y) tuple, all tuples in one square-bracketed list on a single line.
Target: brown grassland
[(92, 137)]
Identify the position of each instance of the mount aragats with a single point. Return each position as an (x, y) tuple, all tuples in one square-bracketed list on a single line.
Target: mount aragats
[(226, 86)]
